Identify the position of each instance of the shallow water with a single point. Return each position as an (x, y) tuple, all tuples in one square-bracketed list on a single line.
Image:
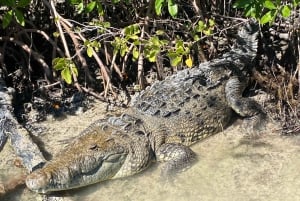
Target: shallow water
[(230, 166)]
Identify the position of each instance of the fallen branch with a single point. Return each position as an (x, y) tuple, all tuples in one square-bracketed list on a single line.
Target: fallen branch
[(20, 139)]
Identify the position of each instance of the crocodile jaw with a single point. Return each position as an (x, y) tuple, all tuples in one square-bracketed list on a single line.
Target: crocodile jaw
[(56, 177)]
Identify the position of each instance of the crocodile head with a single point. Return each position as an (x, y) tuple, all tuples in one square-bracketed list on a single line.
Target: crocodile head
[(90, 159)]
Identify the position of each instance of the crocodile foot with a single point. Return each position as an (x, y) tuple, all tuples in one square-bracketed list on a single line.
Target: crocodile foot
[(255, 125), (176, 158)]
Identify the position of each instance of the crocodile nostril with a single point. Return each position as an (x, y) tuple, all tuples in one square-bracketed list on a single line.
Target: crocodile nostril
[(37, 180)]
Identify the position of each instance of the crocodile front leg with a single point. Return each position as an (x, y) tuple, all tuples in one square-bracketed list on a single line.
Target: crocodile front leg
[(177, 157), (245, 107)]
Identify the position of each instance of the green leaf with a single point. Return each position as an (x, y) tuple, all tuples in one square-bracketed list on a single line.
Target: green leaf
[(128, 30), (179, 43), (56, 60), (152, 56), (172, 8), (132, 30), (241, 4), (75, 2), (135, 53), (159, 32), (134, 37), (270, 5), (115, 1), (59, 66), (74, 70), (56, 34), (87, 43), (196, 37), (106, 24), (123, 50), (266, 18), (89, 51), (296, 2), (23, 3), (7, 19), (19, 17), (116, 43), (200, 27), (100, 9), (158, 6), (180, 50), (59, 63), (208, 32), (9, 3), (79, 8), (90, 7), (155, 41), (66, 75), (96, 45), (250, 11), (175, 59), (211, 22), (137, 42), (285, 11), (164, 42)]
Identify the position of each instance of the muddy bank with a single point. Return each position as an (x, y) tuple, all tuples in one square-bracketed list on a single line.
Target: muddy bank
[(231, 166)]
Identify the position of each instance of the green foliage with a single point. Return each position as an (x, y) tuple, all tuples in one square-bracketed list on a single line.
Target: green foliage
[(153, 46), (120, 45), (131, 36), (266, 11), (102, 26), (132, 32), (176, 50), (177, 53), (202, 27), (91, 46), (172, 7), (67, 67), (15, 11), (7, 18), (87, 7)]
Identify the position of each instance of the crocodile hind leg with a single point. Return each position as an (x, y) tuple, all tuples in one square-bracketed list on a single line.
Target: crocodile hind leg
[(245, 107), (177, 158)]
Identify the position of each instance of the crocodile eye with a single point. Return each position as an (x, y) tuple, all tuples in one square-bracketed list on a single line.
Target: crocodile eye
[(140, 133), (93, 147), (113, 157)]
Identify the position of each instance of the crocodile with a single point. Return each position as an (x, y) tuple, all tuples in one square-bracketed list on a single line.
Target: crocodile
[(161, 123)]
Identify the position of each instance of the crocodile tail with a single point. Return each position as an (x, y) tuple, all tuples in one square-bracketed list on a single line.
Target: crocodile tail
[(241, 57), (247, 41)]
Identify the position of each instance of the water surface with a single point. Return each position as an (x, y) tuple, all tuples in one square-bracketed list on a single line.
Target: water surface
[(230, 166)]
